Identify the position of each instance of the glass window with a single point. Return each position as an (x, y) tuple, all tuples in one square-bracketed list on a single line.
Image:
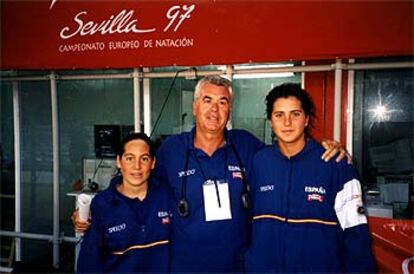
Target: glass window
[(83, 105), (248, 106), (249, 110), (36, 165), (6, 158), (177, 114), (383, 139)]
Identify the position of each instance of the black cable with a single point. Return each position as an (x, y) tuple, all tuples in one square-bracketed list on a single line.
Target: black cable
[(166, 99), (96, 169)]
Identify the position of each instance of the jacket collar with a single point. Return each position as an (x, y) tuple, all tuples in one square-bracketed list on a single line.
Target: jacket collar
[(190, 138), (309, 146), (113, 196)]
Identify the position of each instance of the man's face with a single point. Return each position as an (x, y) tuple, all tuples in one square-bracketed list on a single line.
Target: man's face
[(212, 108)]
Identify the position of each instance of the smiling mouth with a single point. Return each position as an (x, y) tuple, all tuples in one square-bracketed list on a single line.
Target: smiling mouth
[(136, 175), (213, 117)]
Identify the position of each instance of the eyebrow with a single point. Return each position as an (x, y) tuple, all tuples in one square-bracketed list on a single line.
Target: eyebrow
[(220, 99), (131, 154), (301, 110)]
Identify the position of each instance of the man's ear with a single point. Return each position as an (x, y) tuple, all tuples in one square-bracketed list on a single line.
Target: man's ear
[(194, 108)]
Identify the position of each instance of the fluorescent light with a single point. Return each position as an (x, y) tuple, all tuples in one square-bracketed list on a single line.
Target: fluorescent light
[(263, 75), (262, 68)]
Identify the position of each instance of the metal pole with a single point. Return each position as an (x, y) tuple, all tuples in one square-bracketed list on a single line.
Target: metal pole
[(337, 100), (302, 76), (147, 104), (137, 100), (35, 236), (17, 171), (229, 75), (55, 152), (350, 110)]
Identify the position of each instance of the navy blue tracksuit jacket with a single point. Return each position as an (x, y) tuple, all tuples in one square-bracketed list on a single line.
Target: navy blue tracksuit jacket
[(127, 235), (307, 215), (198, 245)]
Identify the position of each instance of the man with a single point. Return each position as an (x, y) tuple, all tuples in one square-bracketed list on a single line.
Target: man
[(206, 169), (210, 228)]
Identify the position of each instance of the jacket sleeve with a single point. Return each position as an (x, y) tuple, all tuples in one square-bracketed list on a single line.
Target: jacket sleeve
[(91, 255), (356, 243)]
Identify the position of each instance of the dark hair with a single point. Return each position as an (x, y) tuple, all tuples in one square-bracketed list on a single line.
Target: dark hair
[(136, 136), (287, 90)]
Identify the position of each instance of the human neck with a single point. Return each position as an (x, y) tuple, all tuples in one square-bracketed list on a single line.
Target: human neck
[(133, 192), (291, 149), (209, 142)]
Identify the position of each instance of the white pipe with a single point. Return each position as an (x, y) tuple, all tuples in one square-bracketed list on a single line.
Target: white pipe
[(229, 75), (147, 104), (302, 76), (36, 236), (25, 78), (137, 101), (25, 235), (55, 152), (315, 68), (229, 72), (97, 76), (17, 170), (350, 110), (337, 100), (390, 65)]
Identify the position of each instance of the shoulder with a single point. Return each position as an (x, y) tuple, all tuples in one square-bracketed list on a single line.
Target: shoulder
[(243, 138), (264, 151), (99, 200), (339, 169), (317, 150), (241, 134), (174, 141), (102, 199), (159, 185), (266, 155)]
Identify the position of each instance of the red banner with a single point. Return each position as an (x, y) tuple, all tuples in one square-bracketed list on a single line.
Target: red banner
[(63, 34)]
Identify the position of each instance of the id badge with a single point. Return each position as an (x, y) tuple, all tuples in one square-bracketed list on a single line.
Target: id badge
[(216, 200)]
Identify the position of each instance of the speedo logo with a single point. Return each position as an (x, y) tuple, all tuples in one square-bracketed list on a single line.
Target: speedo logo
[(267, 188), (186, 172), (116, 228)]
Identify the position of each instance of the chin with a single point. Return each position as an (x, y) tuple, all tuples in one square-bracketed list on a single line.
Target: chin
[(288, 140)]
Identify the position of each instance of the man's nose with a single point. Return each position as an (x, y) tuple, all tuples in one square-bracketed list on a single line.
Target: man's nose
[(214, 106)]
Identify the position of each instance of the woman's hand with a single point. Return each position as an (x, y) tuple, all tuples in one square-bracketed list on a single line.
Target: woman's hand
[(79, 224)]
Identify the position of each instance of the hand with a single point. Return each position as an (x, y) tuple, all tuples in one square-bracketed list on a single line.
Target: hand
[(332, 148), (79, 225)]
